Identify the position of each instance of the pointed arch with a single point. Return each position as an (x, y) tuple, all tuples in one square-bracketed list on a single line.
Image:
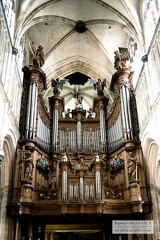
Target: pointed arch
[(150, 149)]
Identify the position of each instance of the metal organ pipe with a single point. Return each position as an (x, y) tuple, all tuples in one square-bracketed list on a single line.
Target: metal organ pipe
[(64, 185), (98, 185), (123, 114), (125, 110), (86, 141), (31, 111), (70, 192), (81, 189), (92, 192), (103, 129), (55, 129), (95, 141), (76, 195), (79, 136), (62, 136), (129, 113), (28, 111), (43, 134), (126, 113), (86, 189), (115, 134)]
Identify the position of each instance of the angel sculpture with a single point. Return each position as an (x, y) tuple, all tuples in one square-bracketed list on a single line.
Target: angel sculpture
[(56, 84), (100, 87), (37, 54), (120, 58)]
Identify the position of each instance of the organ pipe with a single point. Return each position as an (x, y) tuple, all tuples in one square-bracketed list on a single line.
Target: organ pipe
[(31, 111), (115, 135), (103, 129), (28, 110), (98, 185), (43, 134), (126, 113), (81, 189), (86, 189), (64, 185), (129, 113), (55, 129), (79, 136)]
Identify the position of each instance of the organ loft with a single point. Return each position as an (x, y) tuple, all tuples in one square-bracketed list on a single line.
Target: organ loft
[(78, 169)]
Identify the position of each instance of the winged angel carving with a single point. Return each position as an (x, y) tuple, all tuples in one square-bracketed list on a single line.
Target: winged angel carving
[(100, 86), (37, 54), (57, 85)]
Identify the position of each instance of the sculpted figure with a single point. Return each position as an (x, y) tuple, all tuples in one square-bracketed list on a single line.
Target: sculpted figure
[(79, 97), (120, 58), (28, 168), (38, 59), (56, 86), (90, 113), (132, 166), (100, 87), (68, 114), (37, 54)]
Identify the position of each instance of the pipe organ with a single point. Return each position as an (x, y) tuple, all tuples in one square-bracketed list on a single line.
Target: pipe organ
[(78, 165)]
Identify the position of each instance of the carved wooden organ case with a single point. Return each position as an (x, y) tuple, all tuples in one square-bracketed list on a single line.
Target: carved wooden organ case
[(74, 164)]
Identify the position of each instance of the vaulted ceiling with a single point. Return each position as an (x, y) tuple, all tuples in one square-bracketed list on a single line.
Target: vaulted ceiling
[(80, 36)]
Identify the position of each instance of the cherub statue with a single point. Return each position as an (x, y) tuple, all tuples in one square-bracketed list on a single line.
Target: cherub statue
[(37, 54), (100, 87), (56, 84)]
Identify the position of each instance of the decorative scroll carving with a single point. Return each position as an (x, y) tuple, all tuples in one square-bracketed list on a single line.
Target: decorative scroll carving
[(47, 195), (134, 114), (114, 194), (114, 113), (23, 110)]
